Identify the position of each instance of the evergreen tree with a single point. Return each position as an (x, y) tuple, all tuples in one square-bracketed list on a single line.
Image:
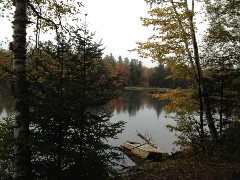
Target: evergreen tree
[(69, 94), (135, 72), (25, 12)]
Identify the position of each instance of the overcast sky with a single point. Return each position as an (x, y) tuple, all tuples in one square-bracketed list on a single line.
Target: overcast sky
[(116, 22)]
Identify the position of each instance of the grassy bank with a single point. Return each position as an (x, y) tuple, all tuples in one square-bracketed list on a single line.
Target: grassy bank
[(140, 88)]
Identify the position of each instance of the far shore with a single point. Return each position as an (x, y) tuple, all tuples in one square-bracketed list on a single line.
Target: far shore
[(140, 88)]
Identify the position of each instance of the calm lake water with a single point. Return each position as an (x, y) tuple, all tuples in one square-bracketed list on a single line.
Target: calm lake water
[(3, 110), (140, 112), (144, 114)]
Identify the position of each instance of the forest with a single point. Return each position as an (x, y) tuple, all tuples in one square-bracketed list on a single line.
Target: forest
[(60, 88), (133, 73)]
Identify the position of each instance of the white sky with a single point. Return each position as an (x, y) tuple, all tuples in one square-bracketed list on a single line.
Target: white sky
[(118, 23)]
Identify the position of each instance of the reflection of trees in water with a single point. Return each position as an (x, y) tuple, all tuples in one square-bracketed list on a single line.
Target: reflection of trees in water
[(1, 103), (129, 101), (6, 99), (156, 104), (133, 101)]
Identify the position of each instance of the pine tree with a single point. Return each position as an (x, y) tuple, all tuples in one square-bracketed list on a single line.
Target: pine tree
[(69, 112)]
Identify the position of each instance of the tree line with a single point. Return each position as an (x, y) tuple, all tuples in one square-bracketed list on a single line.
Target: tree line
[(133, 73)]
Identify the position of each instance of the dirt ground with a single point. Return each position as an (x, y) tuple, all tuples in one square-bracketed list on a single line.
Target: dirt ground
[(185, 170)]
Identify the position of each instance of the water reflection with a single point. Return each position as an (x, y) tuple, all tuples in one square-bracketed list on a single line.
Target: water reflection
[(137, 109), (140, 112), (134, 101), (6, 100), (3, 110), (1, 106), (145, 114)]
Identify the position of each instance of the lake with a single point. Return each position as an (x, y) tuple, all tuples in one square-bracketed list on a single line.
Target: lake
[(145, 114), (140, 112), (3, 111)]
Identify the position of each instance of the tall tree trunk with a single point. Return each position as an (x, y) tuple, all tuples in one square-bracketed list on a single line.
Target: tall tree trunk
[(196, 76), (23, 169), (204, 94)]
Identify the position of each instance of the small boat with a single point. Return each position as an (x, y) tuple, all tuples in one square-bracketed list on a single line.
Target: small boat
[(144, 151)]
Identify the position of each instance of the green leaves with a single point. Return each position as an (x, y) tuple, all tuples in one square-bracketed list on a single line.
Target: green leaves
[(6, 147)]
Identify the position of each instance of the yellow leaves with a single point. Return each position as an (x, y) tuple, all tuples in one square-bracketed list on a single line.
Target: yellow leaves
[(170, 47), (40, 80), (181, 100), (60, 9), (171, 43), (181, 70), (54, 13)]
